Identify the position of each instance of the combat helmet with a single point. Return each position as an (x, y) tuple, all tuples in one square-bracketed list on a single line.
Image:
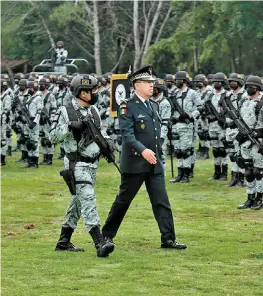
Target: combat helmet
[(60, 44), (220, 76), (160, 84), (22, 82), (63, 81), (44, 81), (83, 82), (254, 80), (201, 78), (240, 78)]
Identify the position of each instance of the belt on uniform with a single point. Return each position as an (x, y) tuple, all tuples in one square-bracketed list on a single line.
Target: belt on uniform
[(212, 120), (87, 159)]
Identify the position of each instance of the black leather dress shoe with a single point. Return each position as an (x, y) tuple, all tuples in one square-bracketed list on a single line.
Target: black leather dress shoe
[(173, 245)]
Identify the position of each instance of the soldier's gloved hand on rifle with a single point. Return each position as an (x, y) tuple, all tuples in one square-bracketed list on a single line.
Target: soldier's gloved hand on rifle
[(76, 126), (32, 125), (221, 123), (260, 149), (241, 137), (184, 116), (111, 145)]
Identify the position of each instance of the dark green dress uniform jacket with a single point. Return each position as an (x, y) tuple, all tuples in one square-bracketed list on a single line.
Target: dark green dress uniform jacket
[(140, 128)]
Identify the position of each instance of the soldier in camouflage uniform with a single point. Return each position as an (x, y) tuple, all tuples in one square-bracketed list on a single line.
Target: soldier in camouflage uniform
[(63, 98), (6, 102), (252, 113), (10, 93), (202, 122), (47, 116), (183, 125), (105, 100), (19, 120), (82, 155), (165, 112), (34, 106), (171, 88), (216, 127), (235, 99)]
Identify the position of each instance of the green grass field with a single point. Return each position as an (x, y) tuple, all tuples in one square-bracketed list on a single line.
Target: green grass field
[(220, 239)]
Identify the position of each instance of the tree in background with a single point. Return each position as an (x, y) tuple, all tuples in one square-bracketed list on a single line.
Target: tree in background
[(199, 36)]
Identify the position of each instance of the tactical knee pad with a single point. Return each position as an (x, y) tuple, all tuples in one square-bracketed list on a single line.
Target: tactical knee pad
[(178, 153), (216, 152), (249, 175), (258, 173), (30, 145), (8, 134), (222, 152), (43, 142), (186, 153)]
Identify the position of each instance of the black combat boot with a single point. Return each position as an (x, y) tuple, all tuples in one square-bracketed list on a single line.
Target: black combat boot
[(64, 243), (248, 203), (104, 248), (25, 159), (62, 153), (257, 205), (49, 159), (3, 160), (234, 179), (206, 153), (34, 163), (185, 178), (45, 156), (217, 173), (9, 151), (199, 152), (29, 163), (191, 174), (223, 176), (240, 181), (179, 177)]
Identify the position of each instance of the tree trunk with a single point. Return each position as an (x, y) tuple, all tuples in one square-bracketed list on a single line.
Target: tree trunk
[(150, 33), (136, 35), (96, 38)]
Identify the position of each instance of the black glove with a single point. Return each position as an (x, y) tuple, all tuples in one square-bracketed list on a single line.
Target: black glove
[(260, 149), (76, 126), (241, 137), (221, 123), (184, 116), (32, 125), (111, 145)]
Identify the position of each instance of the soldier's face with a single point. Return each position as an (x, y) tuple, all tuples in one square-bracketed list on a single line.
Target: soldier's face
[(144, 88)]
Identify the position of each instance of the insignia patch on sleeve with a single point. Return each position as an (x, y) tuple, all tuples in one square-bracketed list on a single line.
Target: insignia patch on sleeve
[(123, 109)]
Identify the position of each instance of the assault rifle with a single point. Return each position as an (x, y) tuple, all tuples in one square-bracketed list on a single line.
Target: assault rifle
[(45, 115), (241, 125), (24, 113), (212, 110), (178, 108), (104, 144)]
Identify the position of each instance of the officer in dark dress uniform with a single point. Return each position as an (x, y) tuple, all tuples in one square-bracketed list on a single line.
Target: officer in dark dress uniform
[(141, 161)]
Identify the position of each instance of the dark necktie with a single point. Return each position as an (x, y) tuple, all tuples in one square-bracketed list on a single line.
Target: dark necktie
[(147, 104)]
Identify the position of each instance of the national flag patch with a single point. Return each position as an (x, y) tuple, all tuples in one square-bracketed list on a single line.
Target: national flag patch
[(123, 110)]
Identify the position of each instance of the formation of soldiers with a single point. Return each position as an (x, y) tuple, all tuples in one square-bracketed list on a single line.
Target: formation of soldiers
[(224, 114)]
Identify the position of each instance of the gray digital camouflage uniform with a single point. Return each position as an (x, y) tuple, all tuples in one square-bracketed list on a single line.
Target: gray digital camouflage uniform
[(84, 202)]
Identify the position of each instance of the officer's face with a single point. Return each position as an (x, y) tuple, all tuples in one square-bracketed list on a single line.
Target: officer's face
[(144, 88)]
